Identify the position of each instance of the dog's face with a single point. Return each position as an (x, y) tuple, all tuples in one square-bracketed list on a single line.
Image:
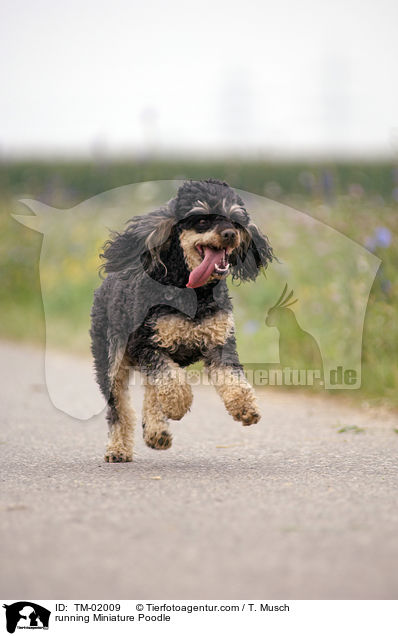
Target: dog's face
[(208, 241), (216, 235)]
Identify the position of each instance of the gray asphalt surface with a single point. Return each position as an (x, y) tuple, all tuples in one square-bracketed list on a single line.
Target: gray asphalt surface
[(286, 509)]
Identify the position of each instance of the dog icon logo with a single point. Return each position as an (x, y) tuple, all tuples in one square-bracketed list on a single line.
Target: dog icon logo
[(298, 349), (26, 615)]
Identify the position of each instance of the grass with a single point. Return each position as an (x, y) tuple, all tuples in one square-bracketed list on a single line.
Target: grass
[(351, 429), (359, 201)]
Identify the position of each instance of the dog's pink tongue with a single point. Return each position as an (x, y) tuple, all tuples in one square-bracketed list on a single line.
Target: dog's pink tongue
[(202, 272)]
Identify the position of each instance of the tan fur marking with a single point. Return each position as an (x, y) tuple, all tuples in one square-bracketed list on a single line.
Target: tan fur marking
[(173, 331), (189, 239), (236, 393), (120, 443), (200, 206), (173, 392), (156, 430), (234, 208), (158, 238), (116, 355)]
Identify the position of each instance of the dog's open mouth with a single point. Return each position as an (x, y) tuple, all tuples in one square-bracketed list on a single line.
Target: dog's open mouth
[(215, 261)]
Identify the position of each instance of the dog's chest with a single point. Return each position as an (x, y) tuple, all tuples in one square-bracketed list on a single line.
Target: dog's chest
[(172, 332)]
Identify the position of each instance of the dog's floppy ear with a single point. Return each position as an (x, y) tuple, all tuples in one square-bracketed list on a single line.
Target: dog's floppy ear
[(140, 244), (253, 254), (157, 240)]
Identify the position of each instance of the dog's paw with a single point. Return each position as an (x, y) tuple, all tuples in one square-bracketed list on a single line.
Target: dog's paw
[(248, 416), (241, 404), (159, 440), (175, 398), (116, 454)]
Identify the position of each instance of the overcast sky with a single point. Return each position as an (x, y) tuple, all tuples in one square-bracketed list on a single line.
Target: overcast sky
[(286, 77)]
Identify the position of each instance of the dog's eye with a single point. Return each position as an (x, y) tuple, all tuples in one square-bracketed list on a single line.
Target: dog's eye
[(202, 223)]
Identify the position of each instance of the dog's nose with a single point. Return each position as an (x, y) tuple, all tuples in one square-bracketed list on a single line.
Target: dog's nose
[(228, 235)]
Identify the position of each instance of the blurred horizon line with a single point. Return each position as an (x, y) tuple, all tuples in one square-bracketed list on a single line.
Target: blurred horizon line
[(280, 156)]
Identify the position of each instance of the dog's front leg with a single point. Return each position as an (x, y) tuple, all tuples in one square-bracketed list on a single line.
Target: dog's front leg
[(226, 374)]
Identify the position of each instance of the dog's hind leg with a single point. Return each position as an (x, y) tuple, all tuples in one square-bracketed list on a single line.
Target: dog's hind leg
[(154, 423), (121, 418)]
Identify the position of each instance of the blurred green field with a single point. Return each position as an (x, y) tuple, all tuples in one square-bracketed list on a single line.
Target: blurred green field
[(359, 200)]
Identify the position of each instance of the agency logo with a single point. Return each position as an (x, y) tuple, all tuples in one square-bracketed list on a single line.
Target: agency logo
[(319, 335), (297, 348), (26, 615)]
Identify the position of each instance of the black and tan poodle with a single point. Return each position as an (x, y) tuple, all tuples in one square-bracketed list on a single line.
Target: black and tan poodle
[(164, 304)]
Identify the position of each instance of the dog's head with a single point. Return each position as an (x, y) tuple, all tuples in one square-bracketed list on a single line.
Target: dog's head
[(216, 234), (208, 225)]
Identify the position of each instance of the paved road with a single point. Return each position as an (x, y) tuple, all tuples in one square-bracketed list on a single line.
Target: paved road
[(287, 509)]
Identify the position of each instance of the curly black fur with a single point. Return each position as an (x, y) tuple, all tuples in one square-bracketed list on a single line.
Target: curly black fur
[(147, 276)]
